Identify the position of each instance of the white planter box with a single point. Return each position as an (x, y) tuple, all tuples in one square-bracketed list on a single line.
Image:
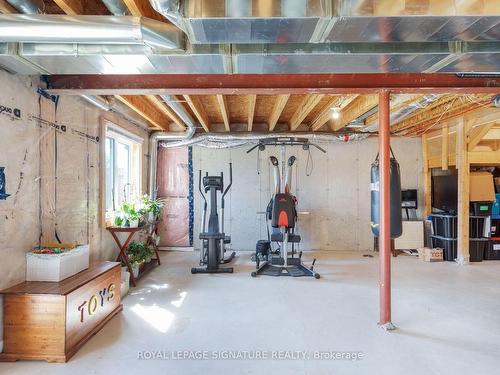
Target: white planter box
[(56, 267)]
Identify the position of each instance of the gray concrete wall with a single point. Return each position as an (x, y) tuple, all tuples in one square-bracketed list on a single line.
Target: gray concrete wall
[(77, 206), (336, 194)]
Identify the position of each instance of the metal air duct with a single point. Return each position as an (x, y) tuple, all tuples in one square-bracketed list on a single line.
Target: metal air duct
[(116, 7), (168, 137), (28, 6), (90, 30)]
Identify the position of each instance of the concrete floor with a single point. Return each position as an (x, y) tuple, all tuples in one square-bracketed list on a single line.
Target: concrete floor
[(448, 318)]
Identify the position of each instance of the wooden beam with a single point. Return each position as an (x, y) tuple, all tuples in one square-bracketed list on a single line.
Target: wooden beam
[(198, 109), (6, 8), (484, 157), (463, 166), (306, 106), (224, 111), (356, 108), (427, 177), (145, 109), (140, 8), (251, 110), (324, 114), (166, 110), (279, 105), (444, 148), (71, 7), (478, 133)]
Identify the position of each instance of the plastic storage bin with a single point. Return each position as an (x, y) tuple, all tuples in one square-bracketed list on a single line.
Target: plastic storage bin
[(477, 248), (481, 208), (444, 225), (56, 267), (476, 226), (493, 251)]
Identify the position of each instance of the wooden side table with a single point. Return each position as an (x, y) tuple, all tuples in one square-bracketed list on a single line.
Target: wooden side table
[(123, 247)]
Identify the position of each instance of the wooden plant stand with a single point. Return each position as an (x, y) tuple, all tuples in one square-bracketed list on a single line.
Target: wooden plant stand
[(123, 247)]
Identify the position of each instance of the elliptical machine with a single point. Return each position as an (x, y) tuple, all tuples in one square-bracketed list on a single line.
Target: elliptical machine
[(282, 212), (213, 242)]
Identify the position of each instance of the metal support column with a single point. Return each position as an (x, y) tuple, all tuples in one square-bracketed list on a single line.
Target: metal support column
[(385, 210)]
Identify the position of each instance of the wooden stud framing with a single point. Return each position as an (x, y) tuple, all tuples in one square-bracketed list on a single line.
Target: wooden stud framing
[(463, 166), (251, 110), (444, 148), (427, 176), (224, 111), (279, 105), (305, 107)]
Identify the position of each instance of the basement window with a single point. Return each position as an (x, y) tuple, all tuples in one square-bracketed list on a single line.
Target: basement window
[(123, 172)]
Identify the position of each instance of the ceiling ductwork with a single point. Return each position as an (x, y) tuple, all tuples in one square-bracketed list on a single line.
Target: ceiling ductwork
[(28, 6), (228, 140), (90, 30), (116, 7), (316, 21)]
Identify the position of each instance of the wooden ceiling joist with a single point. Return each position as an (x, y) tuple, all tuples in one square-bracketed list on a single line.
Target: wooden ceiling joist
[(143, 8), (279, 105), (71, 7), (166, 110), (6, 8), (305, 107), (147, 110), (224, 111), (251, 110), (354, 109), (324, 114), (199, 111)]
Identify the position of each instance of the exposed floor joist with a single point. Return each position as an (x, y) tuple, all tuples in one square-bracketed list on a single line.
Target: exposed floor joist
[(6, 8), (145, 109), (305, 107), (251, 110), (356, 108), (279, 105), (324, 115), (224, 111), (143, 8), (166, 110), (198, 110)]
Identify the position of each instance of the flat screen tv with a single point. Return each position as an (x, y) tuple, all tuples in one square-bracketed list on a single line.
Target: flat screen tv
[(445, 192)]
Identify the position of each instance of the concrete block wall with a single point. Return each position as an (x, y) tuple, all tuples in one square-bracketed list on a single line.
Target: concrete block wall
[(336, 195)]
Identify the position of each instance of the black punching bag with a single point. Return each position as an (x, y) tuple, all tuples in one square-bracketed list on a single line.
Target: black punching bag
[(395, 186)]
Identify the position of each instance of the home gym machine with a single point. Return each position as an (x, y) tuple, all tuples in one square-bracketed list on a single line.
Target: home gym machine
[(213, 240), (282, 213)]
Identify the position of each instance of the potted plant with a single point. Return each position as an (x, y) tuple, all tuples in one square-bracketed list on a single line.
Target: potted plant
[(134, 264), (129, 215), (151, 207)]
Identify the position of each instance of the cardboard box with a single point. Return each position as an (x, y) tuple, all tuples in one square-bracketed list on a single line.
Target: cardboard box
[(427, 254), (482, 188)]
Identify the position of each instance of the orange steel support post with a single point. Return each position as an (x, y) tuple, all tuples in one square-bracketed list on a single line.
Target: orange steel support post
[(385, 211)]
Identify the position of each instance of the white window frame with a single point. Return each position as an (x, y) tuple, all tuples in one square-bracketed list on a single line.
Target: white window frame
[(135, 162)]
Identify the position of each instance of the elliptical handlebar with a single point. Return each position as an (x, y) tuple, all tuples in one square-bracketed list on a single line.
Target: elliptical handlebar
[(200, 189), (230, 180)]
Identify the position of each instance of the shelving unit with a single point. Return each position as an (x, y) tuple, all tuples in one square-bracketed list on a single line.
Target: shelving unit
[(122, 256)]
